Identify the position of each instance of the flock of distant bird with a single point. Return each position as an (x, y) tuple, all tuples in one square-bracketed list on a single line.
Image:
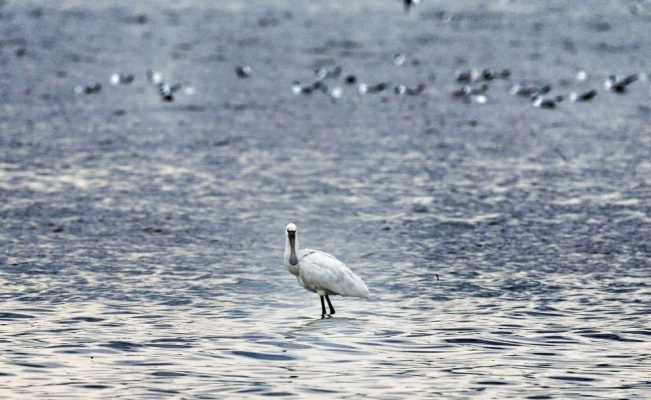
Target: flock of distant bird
[(474, 85), (165, 90), (473, 89)]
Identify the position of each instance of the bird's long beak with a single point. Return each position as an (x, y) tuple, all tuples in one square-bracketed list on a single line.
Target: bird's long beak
[(293, 260)]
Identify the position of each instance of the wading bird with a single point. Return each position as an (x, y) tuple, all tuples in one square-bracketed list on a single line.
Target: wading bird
[(320, 272)]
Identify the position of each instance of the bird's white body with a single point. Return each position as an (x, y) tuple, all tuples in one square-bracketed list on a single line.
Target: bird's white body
[(323, 274), (320, 272)]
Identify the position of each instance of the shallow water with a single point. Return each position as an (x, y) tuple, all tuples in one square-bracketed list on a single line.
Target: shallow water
[(142, 241)]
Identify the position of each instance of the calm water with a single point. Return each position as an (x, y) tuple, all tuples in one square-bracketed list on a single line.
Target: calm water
[(141, 241)]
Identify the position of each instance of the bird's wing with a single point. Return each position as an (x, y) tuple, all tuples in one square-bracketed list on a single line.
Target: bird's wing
[(321, 271)]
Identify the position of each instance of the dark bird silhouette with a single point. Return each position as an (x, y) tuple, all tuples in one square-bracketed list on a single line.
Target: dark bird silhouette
[(409, 3)]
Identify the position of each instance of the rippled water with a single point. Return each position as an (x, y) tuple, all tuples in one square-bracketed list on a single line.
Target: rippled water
[(142, 241)]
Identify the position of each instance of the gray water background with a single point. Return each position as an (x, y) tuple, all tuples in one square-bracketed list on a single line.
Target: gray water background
[(141, 241)]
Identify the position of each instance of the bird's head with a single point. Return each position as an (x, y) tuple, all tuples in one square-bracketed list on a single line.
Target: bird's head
[(291, 230), (290, 248)]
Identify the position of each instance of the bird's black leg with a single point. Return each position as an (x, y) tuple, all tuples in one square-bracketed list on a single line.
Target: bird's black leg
[(323, 307), (332, 309)]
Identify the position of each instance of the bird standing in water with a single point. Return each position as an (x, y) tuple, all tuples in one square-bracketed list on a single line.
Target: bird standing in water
[(320, 272)]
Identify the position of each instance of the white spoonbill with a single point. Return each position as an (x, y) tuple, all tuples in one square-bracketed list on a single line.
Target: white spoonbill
[(320, 272)]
